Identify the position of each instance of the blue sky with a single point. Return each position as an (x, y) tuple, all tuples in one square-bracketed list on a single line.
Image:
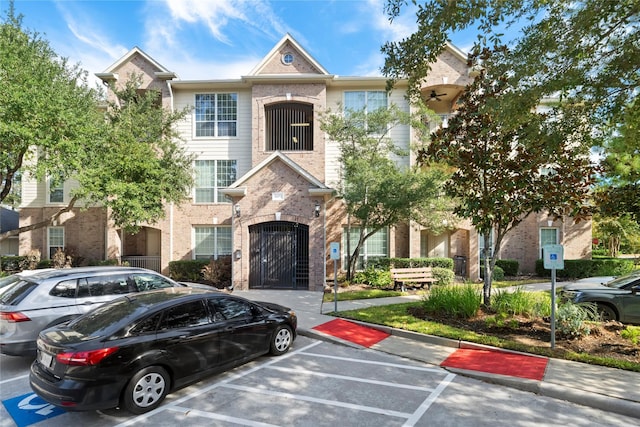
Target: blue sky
[(218, 39)]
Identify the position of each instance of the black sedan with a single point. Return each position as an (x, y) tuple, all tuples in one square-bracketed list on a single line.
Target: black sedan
[(134, 350), (618, 299)]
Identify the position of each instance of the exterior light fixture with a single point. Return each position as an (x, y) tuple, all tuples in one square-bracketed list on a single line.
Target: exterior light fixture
[(316, 210), (236, 209)]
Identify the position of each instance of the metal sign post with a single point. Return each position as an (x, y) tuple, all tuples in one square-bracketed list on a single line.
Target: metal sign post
[(553, 260), (335, 256)]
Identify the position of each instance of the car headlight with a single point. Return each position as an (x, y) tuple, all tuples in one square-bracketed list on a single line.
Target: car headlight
[(571, 295)]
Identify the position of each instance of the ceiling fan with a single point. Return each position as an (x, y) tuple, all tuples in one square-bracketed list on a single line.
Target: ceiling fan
[(436, 96)]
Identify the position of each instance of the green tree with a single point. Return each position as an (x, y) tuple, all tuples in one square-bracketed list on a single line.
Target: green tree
[(618, 191), (504, 172), (126, 158), (584, 50), (378, 187)]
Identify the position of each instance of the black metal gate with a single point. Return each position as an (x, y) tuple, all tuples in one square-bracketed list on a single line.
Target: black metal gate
[(279, 255)]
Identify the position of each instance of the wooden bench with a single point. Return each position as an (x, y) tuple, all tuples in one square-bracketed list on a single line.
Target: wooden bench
[(417, 276)]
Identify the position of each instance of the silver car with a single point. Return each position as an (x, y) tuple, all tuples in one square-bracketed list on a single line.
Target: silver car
[(35, 300)]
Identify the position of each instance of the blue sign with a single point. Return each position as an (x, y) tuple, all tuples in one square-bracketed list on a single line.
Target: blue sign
[(30, 409)]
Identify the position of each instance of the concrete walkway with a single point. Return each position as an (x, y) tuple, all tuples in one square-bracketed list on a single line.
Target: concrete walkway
[(608, 389)]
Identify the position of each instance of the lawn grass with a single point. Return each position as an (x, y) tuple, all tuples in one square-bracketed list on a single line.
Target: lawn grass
[(362, 294), (397, 316)]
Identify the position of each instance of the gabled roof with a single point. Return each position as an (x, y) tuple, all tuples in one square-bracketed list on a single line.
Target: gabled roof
[(287, 39), (161, 71), (316, 186)]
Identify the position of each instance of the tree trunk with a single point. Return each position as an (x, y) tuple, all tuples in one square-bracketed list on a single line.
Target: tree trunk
[(486, 253)]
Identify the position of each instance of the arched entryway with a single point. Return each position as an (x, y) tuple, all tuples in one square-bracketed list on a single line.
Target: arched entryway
[(279, 255)]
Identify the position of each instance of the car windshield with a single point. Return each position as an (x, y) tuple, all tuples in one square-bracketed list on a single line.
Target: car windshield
[(620, 282), (14, 289)]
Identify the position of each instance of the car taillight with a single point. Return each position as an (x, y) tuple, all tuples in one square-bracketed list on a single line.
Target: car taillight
[(85, 358), (14, 316)]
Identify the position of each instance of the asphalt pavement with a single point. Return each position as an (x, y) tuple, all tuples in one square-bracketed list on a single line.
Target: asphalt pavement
[(607, 389)]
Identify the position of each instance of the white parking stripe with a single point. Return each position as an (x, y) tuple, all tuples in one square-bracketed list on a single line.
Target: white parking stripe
[(322, 401), (21, 377), (213, 386), (214, 416), (373, 362), (428, 401), (349, 378), (411, 418)]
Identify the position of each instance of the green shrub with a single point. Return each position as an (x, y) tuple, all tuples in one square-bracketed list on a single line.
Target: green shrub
[(444, 276), (387, 263), (509, 266), (454, 300), (498, 273), (521, 302), (188, 271), (573, 320), (375, 277), (631, 333), (580, 268)]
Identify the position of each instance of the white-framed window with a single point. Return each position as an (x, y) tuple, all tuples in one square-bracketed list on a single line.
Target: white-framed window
[(211, 242), (375, 247), (216, 114), (211, 177), (55, 191), (481, 245), (55, 240), (367, 101), (548, 236)]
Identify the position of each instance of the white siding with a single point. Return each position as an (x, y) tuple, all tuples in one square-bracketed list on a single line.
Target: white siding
[(400, 134), (227, 148)]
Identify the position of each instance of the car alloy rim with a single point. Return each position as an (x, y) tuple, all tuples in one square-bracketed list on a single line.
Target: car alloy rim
[(283, 339), (148, 390)]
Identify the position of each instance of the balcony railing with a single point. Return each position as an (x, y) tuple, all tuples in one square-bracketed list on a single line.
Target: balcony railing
[(149, 262)]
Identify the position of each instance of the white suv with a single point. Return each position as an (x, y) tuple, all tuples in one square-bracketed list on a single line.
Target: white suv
[(35, 300)]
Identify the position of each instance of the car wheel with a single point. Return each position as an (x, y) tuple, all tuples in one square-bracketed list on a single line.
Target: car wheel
[(607, 313), (281, 340), (146, 390)]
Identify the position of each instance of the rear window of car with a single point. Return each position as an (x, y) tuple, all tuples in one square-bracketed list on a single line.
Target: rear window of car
[(147, 282), (106, 317), (14, 289)]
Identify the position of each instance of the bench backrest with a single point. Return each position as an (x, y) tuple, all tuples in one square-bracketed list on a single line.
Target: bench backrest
[(411, 272)]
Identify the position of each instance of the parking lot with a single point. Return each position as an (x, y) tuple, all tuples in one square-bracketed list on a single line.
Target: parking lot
[(314, 378), (317, 383)]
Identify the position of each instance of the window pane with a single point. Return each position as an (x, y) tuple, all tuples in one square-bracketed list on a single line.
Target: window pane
[(376, 100), (225, 175), (354, 101), (223, 241), (205, 242), (205, 172), (548, 236)]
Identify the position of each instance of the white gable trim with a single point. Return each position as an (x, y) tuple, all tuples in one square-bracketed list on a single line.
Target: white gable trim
[(287, 38), (277, 155)]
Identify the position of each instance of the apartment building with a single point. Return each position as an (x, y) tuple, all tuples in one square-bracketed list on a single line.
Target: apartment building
[(265, 178)]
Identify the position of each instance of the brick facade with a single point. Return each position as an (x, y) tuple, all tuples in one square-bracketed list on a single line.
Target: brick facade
[(282, 187)]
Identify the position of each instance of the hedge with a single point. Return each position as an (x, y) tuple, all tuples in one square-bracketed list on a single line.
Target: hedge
[(509, 266), (581, 268), (188, 271), (386, 263)]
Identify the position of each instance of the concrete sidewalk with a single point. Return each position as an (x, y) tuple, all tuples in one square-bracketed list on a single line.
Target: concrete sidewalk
[(608, 389)]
